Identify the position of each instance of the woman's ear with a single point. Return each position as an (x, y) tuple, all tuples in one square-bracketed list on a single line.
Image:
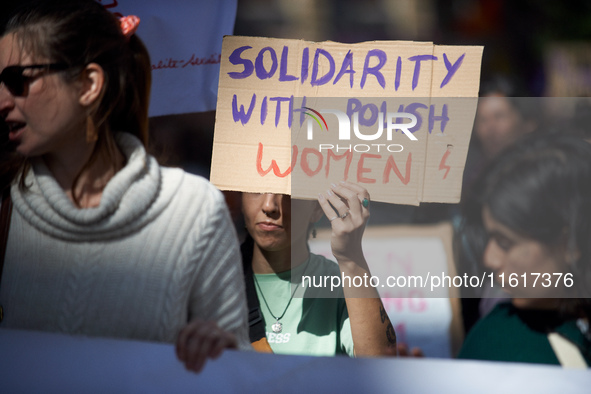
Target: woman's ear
[(92, 81)]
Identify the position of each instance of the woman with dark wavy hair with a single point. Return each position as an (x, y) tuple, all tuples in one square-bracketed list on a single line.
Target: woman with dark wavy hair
[(530, 221), (102, 240)]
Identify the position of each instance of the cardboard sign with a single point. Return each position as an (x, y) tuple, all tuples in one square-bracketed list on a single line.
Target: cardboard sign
[(184, 39), (274, 117), (420, 316)]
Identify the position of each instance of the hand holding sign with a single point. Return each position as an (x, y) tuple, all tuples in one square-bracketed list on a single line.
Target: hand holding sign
[(199, 341), (343, 206)]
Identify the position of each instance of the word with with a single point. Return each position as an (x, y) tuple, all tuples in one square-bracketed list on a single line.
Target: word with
[(266, 63)]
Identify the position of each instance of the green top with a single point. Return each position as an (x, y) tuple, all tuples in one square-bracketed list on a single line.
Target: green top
[(512, 334), (313, 325)]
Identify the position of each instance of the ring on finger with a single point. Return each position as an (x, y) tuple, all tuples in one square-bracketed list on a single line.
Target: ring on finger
[(365, 203), (331, 219), (344, 215)]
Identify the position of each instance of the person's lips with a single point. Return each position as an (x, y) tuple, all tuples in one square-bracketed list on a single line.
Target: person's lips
[(14, 129), (269, 226)]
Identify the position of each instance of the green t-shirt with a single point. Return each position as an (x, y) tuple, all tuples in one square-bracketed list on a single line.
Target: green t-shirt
[(313, 325), (512, 334)]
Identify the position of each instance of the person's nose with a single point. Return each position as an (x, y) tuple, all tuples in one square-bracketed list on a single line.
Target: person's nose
[(271, 204), (6, 101)]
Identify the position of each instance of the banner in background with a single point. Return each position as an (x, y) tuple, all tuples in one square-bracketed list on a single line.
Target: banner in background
[(184, 39)]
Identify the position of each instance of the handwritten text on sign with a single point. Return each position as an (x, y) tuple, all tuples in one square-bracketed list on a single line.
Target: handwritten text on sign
[(273, 93)]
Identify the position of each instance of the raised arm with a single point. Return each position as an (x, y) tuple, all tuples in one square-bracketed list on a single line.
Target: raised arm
[(346, 205)]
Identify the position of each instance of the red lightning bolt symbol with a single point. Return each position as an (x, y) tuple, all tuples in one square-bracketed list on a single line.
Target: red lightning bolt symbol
[(442, 165)]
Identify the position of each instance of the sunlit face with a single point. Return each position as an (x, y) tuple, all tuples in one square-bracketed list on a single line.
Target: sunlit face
[(48, 118), (497, 125), (512, 255), (268, 218)]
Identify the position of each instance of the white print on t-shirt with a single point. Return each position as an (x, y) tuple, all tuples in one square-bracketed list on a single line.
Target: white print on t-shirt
[(278, 338)]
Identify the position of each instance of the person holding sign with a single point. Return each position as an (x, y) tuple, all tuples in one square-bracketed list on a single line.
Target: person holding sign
[(303, 310), (101, 240), (532, 210)]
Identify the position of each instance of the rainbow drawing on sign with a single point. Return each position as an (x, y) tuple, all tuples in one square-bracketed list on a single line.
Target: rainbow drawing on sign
[(315, 118)]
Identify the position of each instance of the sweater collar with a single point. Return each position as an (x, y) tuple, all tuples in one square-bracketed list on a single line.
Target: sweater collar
[(125, 202)]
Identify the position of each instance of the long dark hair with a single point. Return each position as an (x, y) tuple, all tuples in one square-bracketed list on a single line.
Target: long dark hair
[(541, 189), (79, 32)]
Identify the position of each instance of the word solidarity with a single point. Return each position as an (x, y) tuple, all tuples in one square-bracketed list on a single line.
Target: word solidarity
[(375, 61)]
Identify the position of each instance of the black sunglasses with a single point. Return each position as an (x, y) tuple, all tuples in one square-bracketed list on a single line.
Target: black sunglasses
[(12, 76)]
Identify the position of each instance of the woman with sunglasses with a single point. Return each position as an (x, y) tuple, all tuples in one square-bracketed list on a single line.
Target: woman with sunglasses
[(102, 240), (529, 220)]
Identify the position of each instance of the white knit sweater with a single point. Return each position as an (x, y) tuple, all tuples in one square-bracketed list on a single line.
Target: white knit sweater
[(159, 251)]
